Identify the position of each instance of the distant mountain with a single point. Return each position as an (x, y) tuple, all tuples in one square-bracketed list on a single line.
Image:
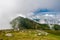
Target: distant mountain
[(25, 23)]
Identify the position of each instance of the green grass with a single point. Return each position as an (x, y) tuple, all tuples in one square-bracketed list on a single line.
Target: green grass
[(27, 35)]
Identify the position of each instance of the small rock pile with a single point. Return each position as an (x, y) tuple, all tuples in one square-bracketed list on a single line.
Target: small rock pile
[(8, 34), (40, 33)]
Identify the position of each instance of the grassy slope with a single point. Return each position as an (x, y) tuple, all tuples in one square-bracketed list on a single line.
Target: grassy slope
[(28, 35)]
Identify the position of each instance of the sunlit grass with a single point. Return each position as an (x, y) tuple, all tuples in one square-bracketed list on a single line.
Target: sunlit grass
[(28, 35)]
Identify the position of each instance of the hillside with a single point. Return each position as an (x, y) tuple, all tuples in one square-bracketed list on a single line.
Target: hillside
[(29, 30), (25, 23)]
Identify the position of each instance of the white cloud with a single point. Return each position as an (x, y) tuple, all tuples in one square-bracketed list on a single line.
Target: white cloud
[(49, 15), (21, 15), (11, 8)]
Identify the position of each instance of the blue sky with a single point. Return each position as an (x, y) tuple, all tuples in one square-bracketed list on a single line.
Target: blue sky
[(38, 11)]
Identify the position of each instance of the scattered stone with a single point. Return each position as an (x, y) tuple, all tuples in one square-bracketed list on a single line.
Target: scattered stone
[(39, 34), (42, 33), (21, 31), (35, 34), (8, 34), (46, 33), (29, 31)]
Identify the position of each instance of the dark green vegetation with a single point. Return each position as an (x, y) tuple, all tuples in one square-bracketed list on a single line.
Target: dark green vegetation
[(57, 27), (25, 23)]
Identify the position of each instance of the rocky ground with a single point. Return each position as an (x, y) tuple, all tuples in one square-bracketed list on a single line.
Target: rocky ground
[(27, 35)]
